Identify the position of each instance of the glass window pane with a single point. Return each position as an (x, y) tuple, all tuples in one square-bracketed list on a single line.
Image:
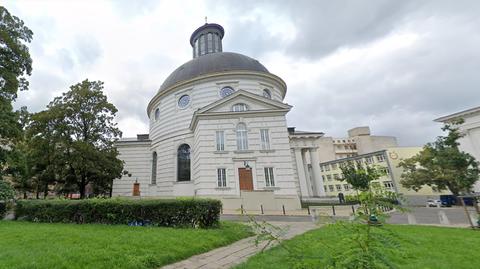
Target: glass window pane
[(183, 163)]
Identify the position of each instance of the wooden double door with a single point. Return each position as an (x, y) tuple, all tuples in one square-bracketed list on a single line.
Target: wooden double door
[(245, 178)]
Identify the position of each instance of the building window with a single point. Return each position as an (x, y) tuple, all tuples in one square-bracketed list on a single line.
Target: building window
[(239, 107), (346, 187), (380, 158), (335, 176), (269, 178), (330, 187), (183, 163), (220, 140), (183, 101), (321, 168), (323, 178), (210, 42), (157, 114), (267, 94), (329, 177), (339, 187), (217, 43), (325, 188), (154, 168), (265, 139), (327, 167), (221, 177), (202, 45), (385, 171), (226, 91), (334, 166), (242, 139), (369, 160), (388, 184)]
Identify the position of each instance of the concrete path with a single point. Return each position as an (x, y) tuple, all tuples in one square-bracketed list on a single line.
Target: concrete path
[(238, 252)]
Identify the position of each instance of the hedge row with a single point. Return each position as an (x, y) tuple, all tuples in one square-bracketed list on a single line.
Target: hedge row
[(201, 213)]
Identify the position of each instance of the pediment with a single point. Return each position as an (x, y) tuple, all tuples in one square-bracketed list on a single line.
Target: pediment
[(253, 102)]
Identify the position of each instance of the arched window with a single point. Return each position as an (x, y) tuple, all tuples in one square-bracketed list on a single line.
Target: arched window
[(226, 91), (183, 163), (154, 168), (242, 139), (267, 94), (239, 107), (157, 114)]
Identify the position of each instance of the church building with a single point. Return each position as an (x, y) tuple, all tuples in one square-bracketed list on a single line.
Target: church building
[(218, 129)]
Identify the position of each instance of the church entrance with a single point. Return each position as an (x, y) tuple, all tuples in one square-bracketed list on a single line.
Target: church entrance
[(245, 179)]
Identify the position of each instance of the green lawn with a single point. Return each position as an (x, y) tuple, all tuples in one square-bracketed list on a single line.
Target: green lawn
[(43, 245), (422, 247)]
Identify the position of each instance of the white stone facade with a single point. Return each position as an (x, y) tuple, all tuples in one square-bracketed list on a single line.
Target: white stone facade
[(470, 128)]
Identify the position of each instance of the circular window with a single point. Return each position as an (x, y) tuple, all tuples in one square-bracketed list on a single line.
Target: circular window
[(226, 91), (157, 113), (267, 94), (183, 101)]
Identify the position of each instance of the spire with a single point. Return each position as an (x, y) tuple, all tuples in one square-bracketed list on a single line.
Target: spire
[(207, 39)]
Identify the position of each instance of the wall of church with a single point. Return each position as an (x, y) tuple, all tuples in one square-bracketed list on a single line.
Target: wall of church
[(206, 159), (138, 162), (174, 121)]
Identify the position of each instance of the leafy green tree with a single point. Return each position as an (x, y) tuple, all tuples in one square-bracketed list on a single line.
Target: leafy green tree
[(20, 162), (15, 64), (81, 125), (441, 165)]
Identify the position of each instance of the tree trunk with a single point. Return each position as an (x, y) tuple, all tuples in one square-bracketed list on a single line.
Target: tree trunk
[(25, 195), (81, 187), (45, 191)]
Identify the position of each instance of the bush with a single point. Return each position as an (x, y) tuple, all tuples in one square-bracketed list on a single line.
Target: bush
[(195, 213)]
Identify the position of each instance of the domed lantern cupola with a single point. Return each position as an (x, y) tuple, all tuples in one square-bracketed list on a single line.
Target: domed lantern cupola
[(207, 39)]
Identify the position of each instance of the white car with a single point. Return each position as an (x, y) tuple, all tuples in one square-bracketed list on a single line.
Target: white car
[(434, 203)]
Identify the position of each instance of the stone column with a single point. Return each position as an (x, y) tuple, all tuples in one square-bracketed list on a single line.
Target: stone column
[(301, 173), (316, 171)]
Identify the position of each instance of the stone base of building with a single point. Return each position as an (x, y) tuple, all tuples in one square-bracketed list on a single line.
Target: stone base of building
[(260, 200)]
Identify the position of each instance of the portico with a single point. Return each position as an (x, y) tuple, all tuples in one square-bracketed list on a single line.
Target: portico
[(307, 162)]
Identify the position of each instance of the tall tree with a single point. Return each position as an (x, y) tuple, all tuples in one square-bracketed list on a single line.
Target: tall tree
[(441, 165), (15, 64), (84, 122)]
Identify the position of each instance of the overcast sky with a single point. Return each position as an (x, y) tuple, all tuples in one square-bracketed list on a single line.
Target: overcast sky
[(392, 65)]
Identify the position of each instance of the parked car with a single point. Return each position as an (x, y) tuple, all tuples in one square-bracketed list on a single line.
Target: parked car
[(448, 200), (434, 203)]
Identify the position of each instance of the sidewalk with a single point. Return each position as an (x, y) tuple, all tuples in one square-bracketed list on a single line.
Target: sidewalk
[(238, 252)]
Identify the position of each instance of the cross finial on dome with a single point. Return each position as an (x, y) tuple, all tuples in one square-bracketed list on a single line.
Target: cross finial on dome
[(205, 19)]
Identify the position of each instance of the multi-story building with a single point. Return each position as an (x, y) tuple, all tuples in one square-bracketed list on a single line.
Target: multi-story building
[(470, 128), (386, 160), (359, 141)]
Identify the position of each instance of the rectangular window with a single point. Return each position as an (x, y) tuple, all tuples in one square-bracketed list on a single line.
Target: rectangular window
[(380, 158), (339, 187), (369, 160), (330, 187), (329, 177), (327, 167), (220, 140), (321, 168), (323, 178), (346, 187), (388, 184), (269, 178), (221, 177), (325, 188), (334, 166), (210, 42), (265, 139), (335, 176)]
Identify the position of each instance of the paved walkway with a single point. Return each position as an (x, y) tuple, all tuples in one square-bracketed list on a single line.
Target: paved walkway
[(238, 252)]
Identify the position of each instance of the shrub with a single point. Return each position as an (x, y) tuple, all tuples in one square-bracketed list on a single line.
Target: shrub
[(201, 213)]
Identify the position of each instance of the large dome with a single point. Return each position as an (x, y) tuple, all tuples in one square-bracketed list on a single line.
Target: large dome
[(212, 63)]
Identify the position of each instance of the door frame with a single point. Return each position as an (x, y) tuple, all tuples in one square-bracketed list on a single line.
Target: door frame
[(239, 163)]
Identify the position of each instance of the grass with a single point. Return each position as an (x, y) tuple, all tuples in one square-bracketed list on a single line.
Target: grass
[(45, 245), (422, 247)]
